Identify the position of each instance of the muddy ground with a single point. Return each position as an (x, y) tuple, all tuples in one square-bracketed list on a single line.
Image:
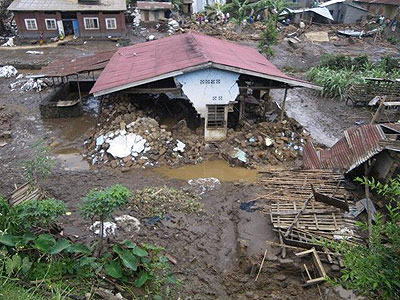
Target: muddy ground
[(215, 250)]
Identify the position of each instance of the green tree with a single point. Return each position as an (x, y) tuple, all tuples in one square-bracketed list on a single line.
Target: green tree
[(374, 269), (99, 205)]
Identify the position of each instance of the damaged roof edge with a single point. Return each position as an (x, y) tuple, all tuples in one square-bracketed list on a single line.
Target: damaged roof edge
[(291, 81)]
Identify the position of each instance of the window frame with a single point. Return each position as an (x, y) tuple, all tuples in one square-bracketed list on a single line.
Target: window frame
[(26, 24), (115, 23), (214, 114), (91, 18), (55, 24)]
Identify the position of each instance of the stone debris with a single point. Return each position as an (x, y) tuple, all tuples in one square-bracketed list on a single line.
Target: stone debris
[(9, 43), (108, 229), (35, 52), (8, 71), (130, 137), (203, 185), (128, 223)]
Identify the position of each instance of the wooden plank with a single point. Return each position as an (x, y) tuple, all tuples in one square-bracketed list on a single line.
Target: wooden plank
[(295, 220)]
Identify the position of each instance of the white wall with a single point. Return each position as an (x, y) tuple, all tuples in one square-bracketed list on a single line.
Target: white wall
[(198, 5), (202, 88)]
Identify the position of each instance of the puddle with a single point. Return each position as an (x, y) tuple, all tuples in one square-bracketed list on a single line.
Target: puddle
[(72, 162), (69, 132), (215, 168)]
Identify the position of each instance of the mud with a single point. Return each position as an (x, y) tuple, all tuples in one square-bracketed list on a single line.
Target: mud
[(219, 169), (215, 250)]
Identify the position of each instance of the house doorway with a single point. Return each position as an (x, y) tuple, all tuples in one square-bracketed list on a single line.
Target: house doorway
[(70, 23)]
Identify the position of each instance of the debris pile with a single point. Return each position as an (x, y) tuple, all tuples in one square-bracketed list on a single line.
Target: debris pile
[(129, 137), (8, 71), (266, 142), (157, 201), (29, 84)]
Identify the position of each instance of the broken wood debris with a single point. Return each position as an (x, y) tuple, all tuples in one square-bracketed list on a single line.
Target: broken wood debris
[(318, 265), (26, 192), (297, 216)]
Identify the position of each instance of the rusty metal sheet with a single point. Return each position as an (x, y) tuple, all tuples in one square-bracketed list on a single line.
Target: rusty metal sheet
[(357, 146), (66, 67)]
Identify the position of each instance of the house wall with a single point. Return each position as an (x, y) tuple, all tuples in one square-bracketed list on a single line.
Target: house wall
[(102, 31), (201, 92), (40, 21), (389, 11), (154, 15), (41, 16), (210, 87), (384, 163), (353, 15), (198, 5)]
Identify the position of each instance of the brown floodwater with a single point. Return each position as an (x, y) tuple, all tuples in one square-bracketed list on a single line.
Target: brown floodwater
[(213, 168), (69, 135)]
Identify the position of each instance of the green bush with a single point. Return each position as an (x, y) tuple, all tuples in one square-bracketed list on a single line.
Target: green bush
[(100, 204), (40, 165), (374, 269), (269, 37), (39, 213)]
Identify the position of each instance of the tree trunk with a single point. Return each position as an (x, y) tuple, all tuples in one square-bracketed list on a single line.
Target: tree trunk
[(101, 236)]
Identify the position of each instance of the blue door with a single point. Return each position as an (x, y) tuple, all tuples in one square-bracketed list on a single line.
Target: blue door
[(76, 27)]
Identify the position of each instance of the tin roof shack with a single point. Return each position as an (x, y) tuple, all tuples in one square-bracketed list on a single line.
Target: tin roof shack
[(82, 18), (386, 8), (215, 76), (153, 11), (344, 11), (309, 15), (377, 146)]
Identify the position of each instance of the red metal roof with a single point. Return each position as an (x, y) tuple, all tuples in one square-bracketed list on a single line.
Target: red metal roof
[(357, 146), (65, 67), (147, 5), (179, 54)]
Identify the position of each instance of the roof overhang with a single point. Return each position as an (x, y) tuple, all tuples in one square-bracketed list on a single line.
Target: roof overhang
[(290, 81)]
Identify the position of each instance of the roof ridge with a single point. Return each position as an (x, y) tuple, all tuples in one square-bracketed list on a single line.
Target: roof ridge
[(202, 50)]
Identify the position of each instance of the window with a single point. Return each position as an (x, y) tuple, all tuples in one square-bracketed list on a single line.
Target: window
[(51, 24), (30, 24), (111, 23), (215, 116), (91, 23)]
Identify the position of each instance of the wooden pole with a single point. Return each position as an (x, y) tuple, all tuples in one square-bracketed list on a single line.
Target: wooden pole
[(284, 102), (368, 208), (79, 88), (381, 107)]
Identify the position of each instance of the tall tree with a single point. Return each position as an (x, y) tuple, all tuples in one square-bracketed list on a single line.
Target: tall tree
[(4, 14)]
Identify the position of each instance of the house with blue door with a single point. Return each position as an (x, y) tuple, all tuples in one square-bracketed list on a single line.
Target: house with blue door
[(81, 18)]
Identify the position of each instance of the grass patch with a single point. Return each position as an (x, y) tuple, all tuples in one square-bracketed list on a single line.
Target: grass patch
[(11, 291), (153, 201), (337, 72)]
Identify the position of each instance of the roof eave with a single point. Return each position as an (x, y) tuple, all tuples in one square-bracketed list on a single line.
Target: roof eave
[(292, 82), (152, 79)]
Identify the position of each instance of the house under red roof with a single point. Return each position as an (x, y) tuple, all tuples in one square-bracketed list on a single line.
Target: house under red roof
[(179, 54)]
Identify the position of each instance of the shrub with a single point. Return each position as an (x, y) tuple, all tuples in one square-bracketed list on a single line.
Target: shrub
[(40, 165), (100, 205), (374, 269), (269, 37)]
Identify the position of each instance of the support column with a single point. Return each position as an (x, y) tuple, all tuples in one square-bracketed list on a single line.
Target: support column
[(284, 102)]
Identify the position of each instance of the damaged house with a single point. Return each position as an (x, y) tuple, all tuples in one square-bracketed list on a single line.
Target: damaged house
[(82, 18), (373, 147), (216, 78)]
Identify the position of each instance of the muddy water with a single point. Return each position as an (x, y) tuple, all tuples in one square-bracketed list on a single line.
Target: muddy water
[(68, 136), (214, 168)]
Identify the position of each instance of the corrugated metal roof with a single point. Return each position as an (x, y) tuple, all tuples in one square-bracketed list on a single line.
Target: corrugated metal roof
[(66, 5), (357, 146), (392, 126), (331, 2), (388, 2), (69, 66), (146, 5), (183, 53)]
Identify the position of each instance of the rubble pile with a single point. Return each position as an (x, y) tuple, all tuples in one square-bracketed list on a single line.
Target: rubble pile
[(265, 143), (132, 137), (129, 137), (157, 201)]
